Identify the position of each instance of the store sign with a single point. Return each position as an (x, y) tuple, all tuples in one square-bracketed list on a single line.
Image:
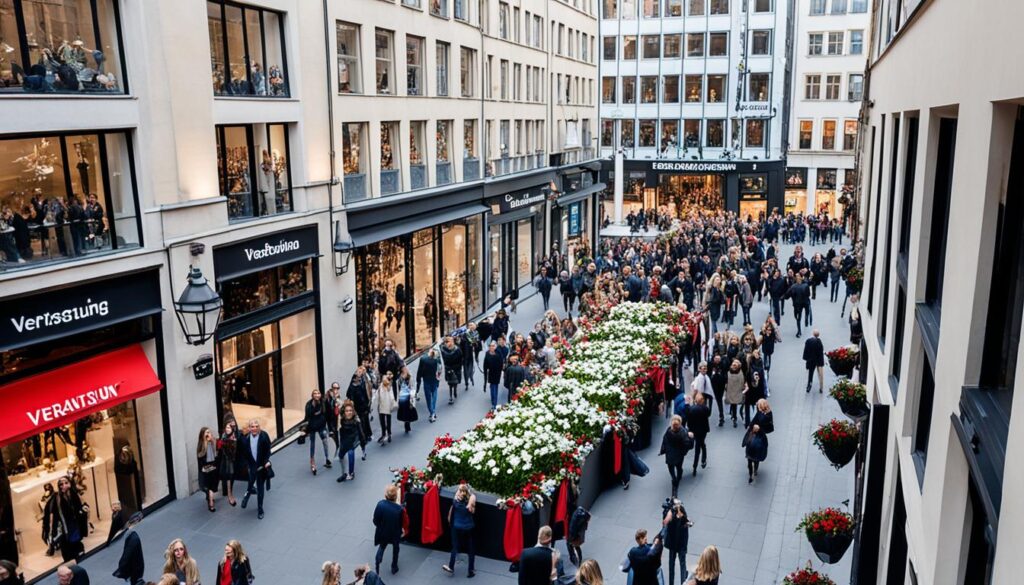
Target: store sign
[(264, 252), (693, 167), (513, 201), (37, 318), (759, 107), (574, 219)]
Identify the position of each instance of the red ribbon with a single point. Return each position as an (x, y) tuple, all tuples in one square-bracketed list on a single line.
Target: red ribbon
[(561, 507), (431, 529), (513, 538), (657, 376), (617, 443)]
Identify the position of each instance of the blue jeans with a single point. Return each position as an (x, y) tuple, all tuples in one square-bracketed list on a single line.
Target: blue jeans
[(322, 433), (351, 460), (430, 392), (494, 395), (462, 540)]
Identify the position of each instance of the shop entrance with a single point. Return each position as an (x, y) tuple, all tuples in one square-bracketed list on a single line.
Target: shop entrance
[(681, 195)]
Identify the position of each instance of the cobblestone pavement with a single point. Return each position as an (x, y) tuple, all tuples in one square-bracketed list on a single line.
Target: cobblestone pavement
[(310, 519)]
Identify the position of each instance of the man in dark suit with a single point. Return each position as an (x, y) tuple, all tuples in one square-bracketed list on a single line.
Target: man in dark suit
[(515, 376), (800, 294), (645, 559), (132, 565), (634, 286), (72, 575), (798, 262), (387, 520), (536, 563), (814, 357), (255, 448)]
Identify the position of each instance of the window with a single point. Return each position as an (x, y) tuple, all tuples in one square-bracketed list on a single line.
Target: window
[(762, 5), (901, 321), (610, 8), (925, 403), (390, 158), (669, 135), (629, 90), (440, 8), (353, 159), (411, 3), (651, 9), (695, 45), (607, 132), (832, 87), (761, 42), (627, 130), (828, 135), (652, 46), (647, 130), (718, 44), (856, 42), (254, 169), (418, 153), (629, 47), (814, 43), (414, 66), (855, 89), (385, 56), (443, 145), (849, 134), (488, 77), (719, 6), (461, 12), (715, 135), (858, 6), (696, 7), (907, 204), (758, 88), (467, 64), (670, 93), (628, 9), (443, 51), (247, 47), (806, 134), (838, 6), (515, 23), (46, 180), (673, 8), (940, 220), (648, 89), (812, 87), (818, 7), (691, 133), (607, 90), (716, 89), (694, 88), (349, 72), (673, 46), (610, 47), (503, 17), (883, 320), (755, 133), (517, 84), (835, 43)]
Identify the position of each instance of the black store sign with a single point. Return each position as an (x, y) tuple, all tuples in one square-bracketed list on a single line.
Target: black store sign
[(510, 202), (62, 312), (264, 252)]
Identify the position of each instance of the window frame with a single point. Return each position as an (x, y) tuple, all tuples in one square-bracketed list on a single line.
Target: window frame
[(442, 68), (250, 132), (815, 44), (422, 57), (390, 60), (768, 44), (816, 86), (350, 58), (224, 4), (838, 86)]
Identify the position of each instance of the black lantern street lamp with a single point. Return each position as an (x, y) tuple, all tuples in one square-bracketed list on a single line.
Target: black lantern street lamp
[(198, 308), (343, 248)]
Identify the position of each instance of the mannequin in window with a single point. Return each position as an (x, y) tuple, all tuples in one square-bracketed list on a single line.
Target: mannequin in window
[(268, 191), (259, 80), (129, 488)]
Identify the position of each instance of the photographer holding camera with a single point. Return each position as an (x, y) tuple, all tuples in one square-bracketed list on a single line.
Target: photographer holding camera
[(676, 535)]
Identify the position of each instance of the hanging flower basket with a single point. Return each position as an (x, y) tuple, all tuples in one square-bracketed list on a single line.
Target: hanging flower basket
[(844, 359), (852, 398), (830, 532), (838, 440), (807, 576), (855, 279)]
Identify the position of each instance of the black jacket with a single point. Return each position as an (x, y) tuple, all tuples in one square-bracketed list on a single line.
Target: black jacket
[(645, 561), (800, 294), (389, 361), (350, 434), (357, 393), (426, 370), (387, 518), (316, 415), (544, 286), (132, 565), (697, 417), (514, 378), (673, 446), (493, 365), (240, 572), (499, 327), (814, 352), (535, 565), (452, 357), (262, 450)]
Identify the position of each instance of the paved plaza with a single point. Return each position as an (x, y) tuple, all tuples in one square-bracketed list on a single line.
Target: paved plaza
[(312, 519)]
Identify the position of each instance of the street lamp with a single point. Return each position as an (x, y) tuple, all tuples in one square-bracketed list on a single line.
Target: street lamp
[(198, 308), (342, 252)]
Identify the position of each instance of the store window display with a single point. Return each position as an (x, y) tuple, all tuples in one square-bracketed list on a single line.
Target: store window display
[(382, 296), (453, 275), (254, 169), (60, 46), (66, 196), (682, 194), (524, 251), (424, 300), (247, 48)]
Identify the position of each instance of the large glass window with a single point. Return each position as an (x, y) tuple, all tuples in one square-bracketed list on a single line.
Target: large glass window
[(629, 90), (390, 155), (832, 87), (806, 134), (66, 196), (607, 90), (814, 43), (691, 133), (414, 47), (694, 85), (673, 8), (253, 164), (648, 89), (609, 8), (715, 133), (755, 133), (849, 134), (384, 48), (758, 87), (719, 6), (627, 130), (828, 135), (424, 303), (696, 7), (652, 46), (629, 47), (417, 154), (467, 63), (647, 132), (855, 87), (524, 251), (812, 87), (669, 135), (247, 45), (695, 45), (761, 42), (609, 47), (60, 46), (673, 46), (716, 88), (670, 93), (453, 275), (856, 42), (718, 44), (349, 71), (383, 297), (835, 43)]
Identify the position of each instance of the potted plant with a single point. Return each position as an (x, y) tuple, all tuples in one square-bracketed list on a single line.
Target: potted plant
[(855, 280), (838, 440), (843, 359), (830, 532), (852, 398), (807, 576)]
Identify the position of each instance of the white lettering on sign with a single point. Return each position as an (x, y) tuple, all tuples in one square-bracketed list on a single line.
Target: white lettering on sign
[(269, 250), (693, 166), (522, 200), (753, 108), (50, 319), (67, 408)]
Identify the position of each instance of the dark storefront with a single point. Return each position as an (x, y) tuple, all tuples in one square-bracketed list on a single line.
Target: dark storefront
[(574, 214), (515, 238), (269, 355), (81, 376)]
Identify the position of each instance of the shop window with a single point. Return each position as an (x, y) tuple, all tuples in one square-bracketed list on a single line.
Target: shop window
[(627, 130), (425, 311), (849, 134), (349, 70), (796, 177), (695, 44), (925, 406), (454, 273), (856, 42), (648, 89), (806, 134), (812, 87), (247, 44), (815, 43), (669, 135), (383, 297), (718, 44), (443, 139), (758, 87), (607, 133), (443, 54), (755, 133), (440, 8), (255, 176), (855, 89), (384, 51), (258, 290), (691, 133), (353, 160), (828, 135), (693, 88), (761, 42), (651, 9), (607, 90), (719, 6), (61, 46), (470, 159), (673, 46), (417, 155), (467, 65), (66, 196), (414, 47), (610, 8), (838, 6), (673, 8), (629, 90), (835, 43), (647, 132), (832, 87), (390, 168), (524, 251), (696, 7), (629, 47), (474, 266), (715, 134), (826, 179), (762, 5), (670, 93), (716, 89), (652, 46)]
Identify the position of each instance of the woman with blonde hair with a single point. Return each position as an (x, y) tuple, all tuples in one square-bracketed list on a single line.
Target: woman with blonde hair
[(708, 567), (206, 454), (384, 396), (234, 568), (589, 573), (332, 573), (178, 562)]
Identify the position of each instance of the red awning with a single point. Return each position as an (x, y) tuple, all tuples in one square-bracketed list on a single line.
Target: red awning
[(59, 397)]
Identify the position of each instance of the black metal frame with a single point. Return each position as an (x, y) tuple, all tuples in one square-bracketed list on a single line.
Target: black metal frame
[(245, 40), (250, 144)]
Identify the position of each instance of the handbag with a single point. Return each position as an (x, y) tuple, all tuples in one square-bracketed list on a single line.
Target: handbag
[(746, 438)]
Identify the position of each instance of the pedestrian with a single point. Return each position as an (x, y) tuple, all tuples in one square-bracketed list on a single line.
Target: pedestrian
[(178, 562), (735, 385), (206, 454), (834, 275), (589, 573), (746, 296), (770, 335), (578, 524), (645, 559), (676, 530), (132, 564), (387, 521), (719, 378), (754, 392), (72, 574), (702, 384), (364, 576), (316, 426), (384, 397), (407, 413), (360, 394), (537, 563), (256, 451), (389, 360), (493, 368), (814, 359), (675, 444), (756, 440), (428, 373), (714, 298), (499, 326), (333, 411), (460, 518), (515, 376), (451, 356), (227, 447), (234, 568), (565, 289), (350, 436), (66, 520), (708, 568), (470, 356), (331, 571), (698, 421), (543, 284), (800, 295)]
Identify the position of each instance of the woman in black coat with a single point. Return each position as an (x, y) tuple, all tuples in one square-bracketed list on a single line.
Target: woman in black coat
[(316, 426), (675, 444), (350, 436), (451, 356), (752, 395), (769, 337), (757, 445), (66, 520), (676, 537), (499, 326), (234, 566)]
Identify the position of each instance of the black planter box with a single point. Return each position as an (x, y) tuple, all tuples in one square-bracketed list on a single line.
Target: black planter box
[(840, 455), (830, 549)]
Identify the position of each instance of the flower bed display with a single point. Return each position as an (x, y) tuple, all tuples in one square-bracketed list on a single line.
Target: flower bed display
[(843, 359), (838, 440), (807, 576), (830, 532), (852, 398)]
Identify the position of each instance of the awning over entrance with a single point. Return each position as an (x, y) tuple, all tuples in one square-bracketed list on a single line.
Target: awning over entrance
[(61, 396), (412, 223), (575, 196)]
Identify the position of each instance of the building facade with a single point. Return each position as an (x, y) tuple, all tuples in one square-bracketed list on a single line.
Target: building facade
[(692, 98), (829, 51), (320, 124), (943, 295)]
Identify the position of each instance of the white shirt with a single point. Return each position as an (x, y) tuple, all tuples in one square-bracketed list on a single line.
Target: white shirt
[(254, 441), (702, 384)]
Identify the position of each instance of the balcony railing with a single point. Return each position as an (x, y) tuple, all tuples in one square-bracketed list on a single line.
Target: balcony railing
[(470, 169), (417, 176), (444, 172), (355, 187), (515, 164), (390, 181)]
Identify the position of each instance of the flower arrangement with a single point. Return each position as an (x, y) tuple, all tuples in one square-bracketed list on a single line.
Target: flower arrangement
[(855, 279), (838, 441), (807, 576), (826, 522), (843, 359), (847, 391)]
